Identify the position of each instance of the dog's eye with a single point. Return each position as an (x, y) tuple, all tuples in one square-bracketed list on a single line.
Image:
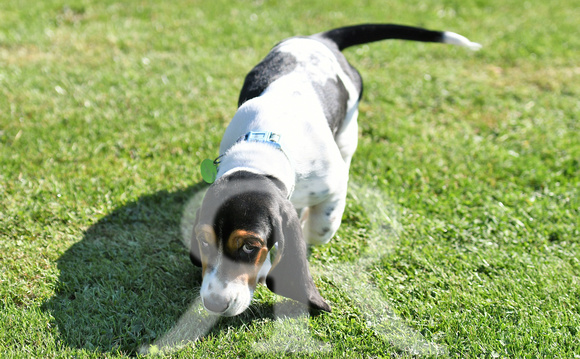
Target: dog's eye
[(204, 243), (205, 236), (248, 248)]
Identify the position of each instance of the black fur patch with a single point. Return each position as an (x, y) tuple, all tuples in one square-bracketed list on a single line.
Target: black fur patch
[(346, 67), (333, 96), (271, 68)]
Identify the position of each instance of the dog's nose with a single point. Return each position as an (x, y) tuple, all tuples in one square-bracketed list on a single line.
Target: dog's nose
[(216, 304)]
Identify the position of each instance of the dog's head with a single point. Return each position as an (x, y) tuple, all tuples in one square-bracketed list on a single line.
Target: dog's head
[(247, 232)]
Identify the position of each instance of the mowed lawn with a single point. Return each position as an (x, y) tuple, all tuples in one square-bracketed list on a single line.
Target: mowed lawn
[(461, 236)]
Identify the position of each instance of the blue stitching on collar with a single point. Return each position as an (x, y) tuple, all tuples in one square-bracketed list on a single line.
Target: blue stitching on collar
[(263, 136)]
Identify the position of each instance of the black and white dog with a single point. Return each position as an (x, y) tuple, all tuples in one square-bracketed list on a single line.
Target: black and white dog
[(283, 167)]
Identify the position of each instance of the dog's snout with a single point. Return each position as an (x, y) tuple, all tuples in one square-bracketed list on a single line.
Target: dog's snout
[(216, 304)]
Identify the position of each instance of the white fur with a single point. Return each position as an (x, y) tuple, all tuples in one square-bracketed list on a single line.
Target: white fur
[(236, 293), (459, 40), (265, 269)]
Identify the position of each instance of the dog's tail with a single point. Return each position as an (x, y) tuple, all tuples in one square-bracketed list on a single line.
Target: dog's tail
[(344, 37)]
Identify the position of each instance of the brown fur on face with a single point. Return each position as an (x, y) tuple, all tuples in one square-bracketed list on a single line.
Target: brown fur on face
[(239, 237), (247, 272), (205, 233), (242, 272)]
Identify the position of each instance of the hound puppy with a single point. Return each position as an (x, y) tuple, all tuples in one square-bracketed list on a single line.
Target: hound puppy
[(283, 168)]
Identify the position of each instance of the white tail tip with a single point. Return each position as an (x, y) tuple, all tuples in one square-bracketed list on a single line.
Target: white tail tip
[(459, 40)]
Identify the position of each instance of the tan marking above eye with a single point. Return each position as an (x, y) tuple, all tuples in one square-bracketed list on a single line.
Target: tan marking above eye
[(239, 237)]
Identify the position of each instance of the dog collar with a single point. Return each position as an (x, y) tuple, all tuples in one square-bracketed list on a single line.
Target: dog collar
[(209, 168), (252, 136), (268, 137)]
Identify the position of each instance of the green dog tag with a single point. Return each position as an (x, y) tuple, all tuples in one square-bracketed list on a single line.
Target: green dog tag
[(208, 171)]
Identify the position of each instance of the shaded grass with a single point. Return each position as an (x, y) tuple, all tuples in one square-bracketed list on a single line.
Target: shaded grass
[(107, 108)]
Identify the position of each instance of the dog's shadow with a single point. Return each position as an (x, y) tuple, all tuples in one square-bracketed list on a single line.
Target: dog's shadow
[(129, 280)]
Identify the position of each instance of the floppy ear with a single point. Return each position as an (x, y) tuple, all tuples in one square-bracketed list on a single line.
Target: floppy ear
[(194, 254), (290, 277)]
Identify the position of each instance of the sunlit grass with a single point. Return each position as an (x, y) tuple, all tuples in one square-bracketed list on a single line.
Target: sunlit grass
[(462, 220)]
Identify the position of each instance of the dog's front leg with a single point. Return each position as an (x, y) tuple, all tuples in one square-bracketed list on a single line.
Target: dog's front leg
[(321, 221)]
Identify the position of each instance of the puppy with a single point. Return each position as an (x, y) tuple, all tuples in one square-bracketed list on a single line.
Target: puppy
[(282, 173)]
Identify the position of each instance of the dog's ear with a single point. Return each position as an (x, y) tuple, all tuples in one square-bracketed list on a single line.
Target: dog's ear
[(290, 276), (194, 254)]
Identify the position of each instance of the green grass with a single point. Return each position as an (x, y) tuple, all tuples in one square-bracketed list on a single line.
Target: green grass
[(462, 226)]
